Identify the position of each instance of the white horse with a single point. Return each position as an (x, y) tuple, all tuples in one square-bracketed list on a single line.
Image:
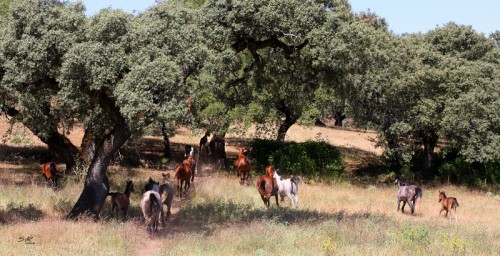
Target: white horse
[(288, 187), (151, 207)]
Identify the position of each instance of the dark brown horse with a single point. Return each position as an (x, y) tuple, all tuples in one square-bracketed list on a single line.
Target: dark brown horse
[(183, 177), (243, 166), (121, 201), (217, 146), (268, 187), (447, 204), (51, 173)]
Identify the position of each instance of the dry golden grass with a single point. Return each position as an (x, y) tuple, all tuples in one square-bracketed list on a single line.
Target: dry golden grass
[(220, 217)]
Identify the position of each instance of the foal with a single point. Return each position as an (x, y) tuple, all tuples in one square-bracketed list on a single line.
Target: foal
[(447, 204), (121, 201)]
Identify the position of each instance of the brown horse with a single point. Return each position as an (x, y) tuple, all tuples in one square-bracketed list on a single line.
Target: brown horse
[(50, 172), (268, 187), (243, 166), (447, 204), (192, 164), (217, 147), (183, 177), (121, 201)]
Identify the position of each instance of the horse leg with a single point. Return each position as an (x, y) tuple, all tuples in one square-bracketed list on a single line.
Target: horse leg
[(276, 196), (291, 199), (179, 185), (399, 202), (412, 207), (403, 208), (162, 216), (264, 200), (297, 198)]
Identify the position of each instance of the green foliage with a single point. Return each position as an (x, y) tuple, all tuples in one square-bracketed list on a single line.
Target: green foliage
[(457, 170), (308, 158)]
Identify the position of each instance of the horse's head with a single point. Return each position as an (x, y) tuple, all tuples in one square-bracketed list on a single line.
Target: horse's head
[(151, 185), (241, 151), (130, 186), (276, 175), (442, 196)]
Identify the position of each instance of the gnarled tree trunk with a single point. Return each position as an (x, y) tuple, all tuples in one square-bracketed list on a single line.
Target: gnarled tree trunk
[(290, 119), (96, 187)]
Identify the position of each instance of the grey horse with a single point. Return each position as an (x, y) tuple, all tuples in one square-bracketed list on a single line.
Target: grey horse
[(408, 194)]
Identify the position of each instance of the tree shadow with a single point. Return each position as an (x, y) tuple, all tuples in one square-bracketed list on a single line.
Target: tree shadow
[(18, 212), (204, 217)]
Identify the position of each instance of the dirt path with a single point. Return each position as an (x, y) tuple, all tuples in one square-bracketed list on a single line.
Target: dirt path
[(156, 239)]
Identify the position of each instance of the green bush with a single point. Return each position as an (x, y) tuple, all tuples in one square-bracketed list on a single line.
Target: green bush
[(456, 170), (308, 158)]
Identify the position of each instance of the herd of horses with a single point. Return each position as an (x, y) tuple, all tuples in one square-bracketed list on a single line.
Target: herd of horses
[(269, 185)]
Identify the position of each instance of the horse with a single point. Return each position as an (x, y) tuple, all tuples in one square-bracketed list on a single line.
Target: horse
[(193, 163), (447, 204), (288, 187), (268, 187), (407, 194), (121, 201), (151, 208), (166, 192), (243, 166), (183, 177), (204, 143), (50, 172), (217, 146)]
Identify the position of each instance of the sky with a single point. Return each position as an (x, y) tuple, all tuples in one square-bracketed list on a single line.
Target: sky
[(403, 16)]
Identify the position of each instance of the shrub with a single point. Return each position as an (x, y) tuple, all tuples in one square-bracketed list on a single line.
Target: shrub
[(308, 158)]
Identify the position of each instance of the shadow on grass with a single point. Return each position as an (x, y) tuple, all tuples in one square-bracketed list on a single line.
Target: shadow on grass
[(18, 212), (203, 217)]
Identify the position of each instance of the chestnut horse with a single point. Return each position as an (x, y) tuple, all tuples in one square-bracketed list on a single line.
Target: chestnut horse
[(268, 187), (447, 204), (243, 166), (50, 172), (183, 177), (193, 163), (121, 201)]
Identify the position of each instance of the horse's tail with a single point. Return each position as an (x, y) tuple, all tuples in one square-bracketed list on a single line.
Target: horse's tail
[(153, 203), (418, 192), (455, 203)]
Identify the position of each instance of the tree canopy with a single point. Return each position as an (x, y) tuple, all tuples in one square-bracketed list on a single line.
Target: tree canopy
[(221, 64)]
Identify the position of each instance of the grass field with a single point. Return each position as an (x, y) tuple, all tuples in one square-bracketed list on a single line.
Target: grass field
[(220, 217)]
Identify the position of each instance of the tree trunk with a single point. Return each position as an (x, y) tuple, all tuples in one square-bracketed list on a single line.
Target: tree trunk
[(166, 141), (290, 119), (430, 142), (339, 117), (96, 187)]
